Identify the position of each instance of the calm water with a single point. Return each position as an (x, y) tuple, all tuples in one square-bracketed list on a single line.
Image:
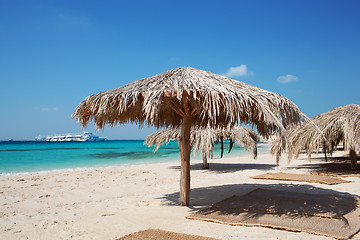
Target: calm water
[(32, 156)]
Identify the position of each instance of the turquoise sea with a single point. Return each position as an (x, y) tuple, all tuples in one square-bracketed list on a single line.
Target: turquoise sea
[(34, 156)]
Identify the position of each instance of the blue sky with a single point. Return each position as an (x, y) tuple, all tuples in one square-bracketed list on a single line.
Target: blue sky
[(55, 53)]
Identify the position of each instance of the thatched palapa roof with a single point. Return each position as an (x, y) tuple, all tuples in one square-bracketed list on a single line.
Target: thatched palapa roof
[(203, 139), (215, 100), (339, 125)]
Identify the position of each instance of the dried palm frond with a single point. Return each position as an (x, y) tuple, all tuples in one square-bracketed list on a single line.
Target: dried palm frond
[(203, 139)]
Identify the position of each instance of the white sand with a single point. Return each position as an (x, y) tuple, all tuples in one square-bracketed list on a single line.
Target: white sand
[(110, 203)]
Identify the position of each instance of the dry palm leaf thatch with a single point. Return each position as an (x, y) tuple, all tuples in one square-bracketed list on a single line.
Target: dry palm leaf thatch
[(341, 124), (203, 139), (189, 97), (213, 99)]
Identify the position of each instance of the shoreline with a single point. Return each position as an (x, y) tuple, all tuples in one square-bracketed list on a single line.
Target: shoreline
[(99, 166), (110, 203)]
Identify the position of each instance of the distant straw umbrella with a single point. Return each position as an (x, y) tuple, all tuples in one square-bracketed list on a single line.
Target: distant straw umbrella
[(186, 97), (203, 139), (341, 124)]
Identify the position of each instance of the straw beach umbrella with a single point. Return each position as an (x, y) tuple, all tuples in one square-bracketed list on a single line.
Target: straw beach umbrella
[(203, 139), (186, 97), (341, 124)]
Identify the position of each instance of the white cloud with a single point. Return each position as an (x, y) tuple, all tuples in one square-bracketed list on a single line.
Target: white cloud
[(287, 79), (238, 71), (54, 109)]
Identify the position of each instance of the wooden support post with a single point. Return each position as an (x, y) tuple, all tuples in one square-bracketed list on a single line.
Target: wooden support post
[(231, 145), (222, 146), (205, 164), (185, 150), (352, 155), (324, 149)]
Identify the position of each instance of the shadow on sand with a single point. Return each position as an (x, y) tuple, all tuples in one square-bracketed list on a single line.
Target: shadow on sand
[(285, 206), (229, 167), (206, 196), (335, 166), (294, 207), (290, 207)]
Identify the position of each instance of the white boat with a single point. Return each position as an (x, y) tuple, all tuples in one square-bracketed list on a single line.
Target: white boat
[(85, 137)]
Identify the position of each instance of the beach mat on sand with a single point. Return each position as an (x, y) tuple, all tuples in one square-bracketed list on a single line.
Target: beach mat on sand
[(323, 214), (338, 168), (311, 178), (157, 234)]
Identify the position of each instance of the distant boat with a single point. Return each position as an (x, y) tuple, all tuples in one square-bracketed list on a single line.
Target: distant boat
[(85, 137)]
